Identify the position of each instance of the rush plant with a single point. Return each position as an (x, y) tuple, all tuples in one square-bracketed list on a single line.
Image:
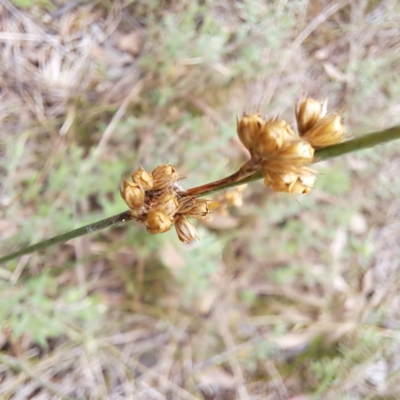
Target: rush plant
[(278, 154)]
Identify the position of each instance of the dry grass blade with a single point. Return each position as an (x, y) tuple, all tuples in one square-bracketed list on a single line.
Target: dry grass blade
[(17, 364)]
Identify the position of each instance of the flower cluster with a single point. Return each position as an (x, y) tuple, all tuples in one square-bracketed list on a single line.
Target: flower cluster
[(157, 200), (282, 154)]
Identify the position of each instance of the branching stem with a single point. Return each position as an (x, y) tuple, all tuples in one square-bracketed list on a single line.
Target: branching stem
[(244, 175)]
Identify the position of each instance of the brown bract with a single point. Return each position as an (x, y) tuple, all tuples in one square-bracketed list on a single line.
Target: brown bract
[(167, 203), (294, 180), (132, 193), (273, 136), (308, 113), (157, 222), (163, 176), (185, 230), (143, 178), (328, 131), (297, 152), (248, 129), (199, 209)]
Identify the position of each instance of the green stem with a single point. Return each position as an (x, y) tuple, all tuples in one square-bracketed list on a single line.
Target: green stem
[(360, 143), (236, 179), (65, 237)]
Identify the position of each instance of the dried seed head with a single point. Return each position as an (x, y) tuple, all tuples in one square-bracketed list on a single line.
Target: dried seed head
[(248, 129), (157, 222), (275, 166), (138, 214), (185, 204), (198, 210), (293, 180), (297, 152), (271, 138), (328, 131), (163, 176), (132, 193), (279, 182), (280, 166), (308, 113), (185, 230), (167, 203), (304, 183), (270, 178), (143, 178)]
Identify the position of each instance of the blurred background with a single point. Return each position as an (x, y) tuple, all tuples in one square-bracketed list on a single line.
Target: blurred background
[(283, 297)]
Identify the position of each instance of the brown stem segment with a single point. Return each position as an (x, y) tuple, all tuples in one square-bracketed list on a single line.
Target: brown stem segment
[(210, 187), (245, 171)]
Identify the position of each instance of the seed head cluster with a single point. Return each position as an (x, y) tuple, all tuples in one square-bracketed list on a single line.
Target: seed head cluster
[(156, 200), (283, 154)]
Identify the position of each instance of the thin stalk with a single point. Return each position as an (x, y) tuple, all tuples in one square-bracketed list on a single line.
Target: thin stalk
[(65, 237), (238, 178), (245, 172), (363, 142)]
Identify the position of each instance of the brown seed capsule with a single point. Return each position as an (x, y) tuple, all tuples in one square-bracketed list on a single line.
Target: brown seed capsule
[(278, 182), (198, 210), (271, 138), (157, 222), (132, 193), (248, 129), (185, 204), (308, 113), (296, 180), (163, 176), (278, 166), (138, 214), (167, 203), (328, 131), (185, 230), (297, 152), (304, 183), (269, 177), (143, 178)]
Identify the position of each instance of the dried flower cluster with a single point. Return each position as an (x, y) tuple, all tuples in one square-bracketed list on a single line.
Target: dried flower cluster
[(282, 154), (156, 200)]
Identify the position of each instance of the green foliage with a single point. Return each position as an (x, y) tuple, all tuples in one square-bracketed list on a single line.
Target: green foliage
[(201, 262), (27, 4), (36, 309), (283, 275), (24, 3), (334, 179), (326, 371)]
